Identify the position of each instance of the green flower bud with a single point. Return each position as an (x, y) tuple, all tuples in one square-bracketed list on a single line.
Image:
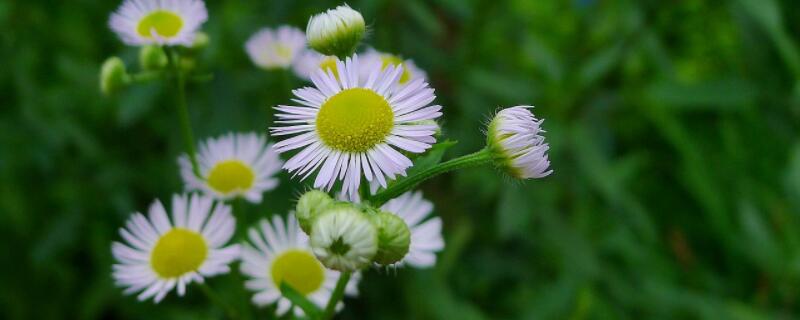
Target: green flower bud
[(336, 32), (309, 206), (152, 57), (394, 237), (343, 238), (113, 76)]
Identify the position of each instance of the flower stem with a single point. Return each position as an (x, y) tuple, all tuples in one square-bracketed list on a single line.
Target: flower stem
[(476, 159), (216, 299), (299, 300), (337, 295), (183, 109)]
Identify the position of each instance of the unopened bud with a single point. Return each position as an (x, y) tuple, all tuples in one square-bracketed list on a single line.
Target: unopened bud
[(113, 76), (309, 206), (152, 57), (394, 238)]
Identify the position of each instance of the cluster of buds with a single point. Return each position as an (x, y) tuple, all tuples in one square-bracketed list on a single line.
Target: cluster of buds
[(153, 61), (348, 236)]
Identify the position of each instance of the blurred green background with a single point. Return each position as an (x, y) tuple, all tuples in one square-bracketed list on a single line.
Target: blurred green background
[(674, 129)]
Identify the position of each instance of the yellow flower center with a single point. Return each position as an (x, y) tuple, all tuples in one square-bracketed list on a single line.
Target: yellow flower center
[(389, 59), (230, 175), (165, 23), (283, 51), (354, 120), (299, 269), (177, 252), (329, 63)]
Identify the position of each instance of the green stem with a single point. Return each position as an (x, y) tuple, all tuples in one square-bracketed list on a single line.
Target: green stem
[(147, 76), (183, 109), (299, 300), (478, 158), (336, 296), (216, 299)]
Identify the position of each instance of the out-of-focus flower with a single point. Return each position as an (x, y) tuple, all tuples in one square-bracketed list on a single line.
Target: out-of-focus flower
[(276, 48), (233, 165), (174, 22), (278, 253), (160, 255)]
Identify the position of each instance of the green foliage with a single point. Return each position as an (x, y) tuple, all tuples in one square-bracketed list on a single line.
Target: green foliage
[(674, 129)]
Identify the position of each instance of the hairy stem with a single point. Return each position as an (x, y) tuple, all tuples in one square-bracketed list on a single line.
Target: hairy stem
[(479, 158)]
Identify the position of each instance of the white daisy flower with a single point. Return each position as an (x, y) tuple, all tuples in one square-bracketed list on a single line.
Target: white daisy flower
[(276, 48), (515, 140), (233, 165), (310, 61), (170, 22), (426, 235), (346, 127), (160, 254), (279, 252), (343, 238), (373, 59)]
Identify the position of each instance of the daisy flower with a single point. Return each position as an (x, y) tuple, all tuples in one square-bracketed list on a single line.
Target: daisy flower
[(279, 252), (517, 146), (233, 165), (161, 254), (276, 48), (426, 235), (347, 127), (374, 58), (310, 61), (170, 22)]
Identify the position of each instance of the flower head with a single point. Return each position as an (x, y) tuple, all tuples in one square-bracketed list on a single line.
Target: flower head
[(278, 253), (161, 254), (344, 238), (171, 22), (426, 234), (517, 146), (233, 165), (336, 32), (373, 59), (346, 126), (276, 48)]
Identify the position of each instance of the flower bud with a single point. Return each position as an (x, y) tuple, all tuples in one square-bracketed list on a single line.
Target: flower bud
[(394, 237), (201, 41), (309, 206), (336, 32), (516, 145), (113, 76), (343, 238), (152, 57)]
